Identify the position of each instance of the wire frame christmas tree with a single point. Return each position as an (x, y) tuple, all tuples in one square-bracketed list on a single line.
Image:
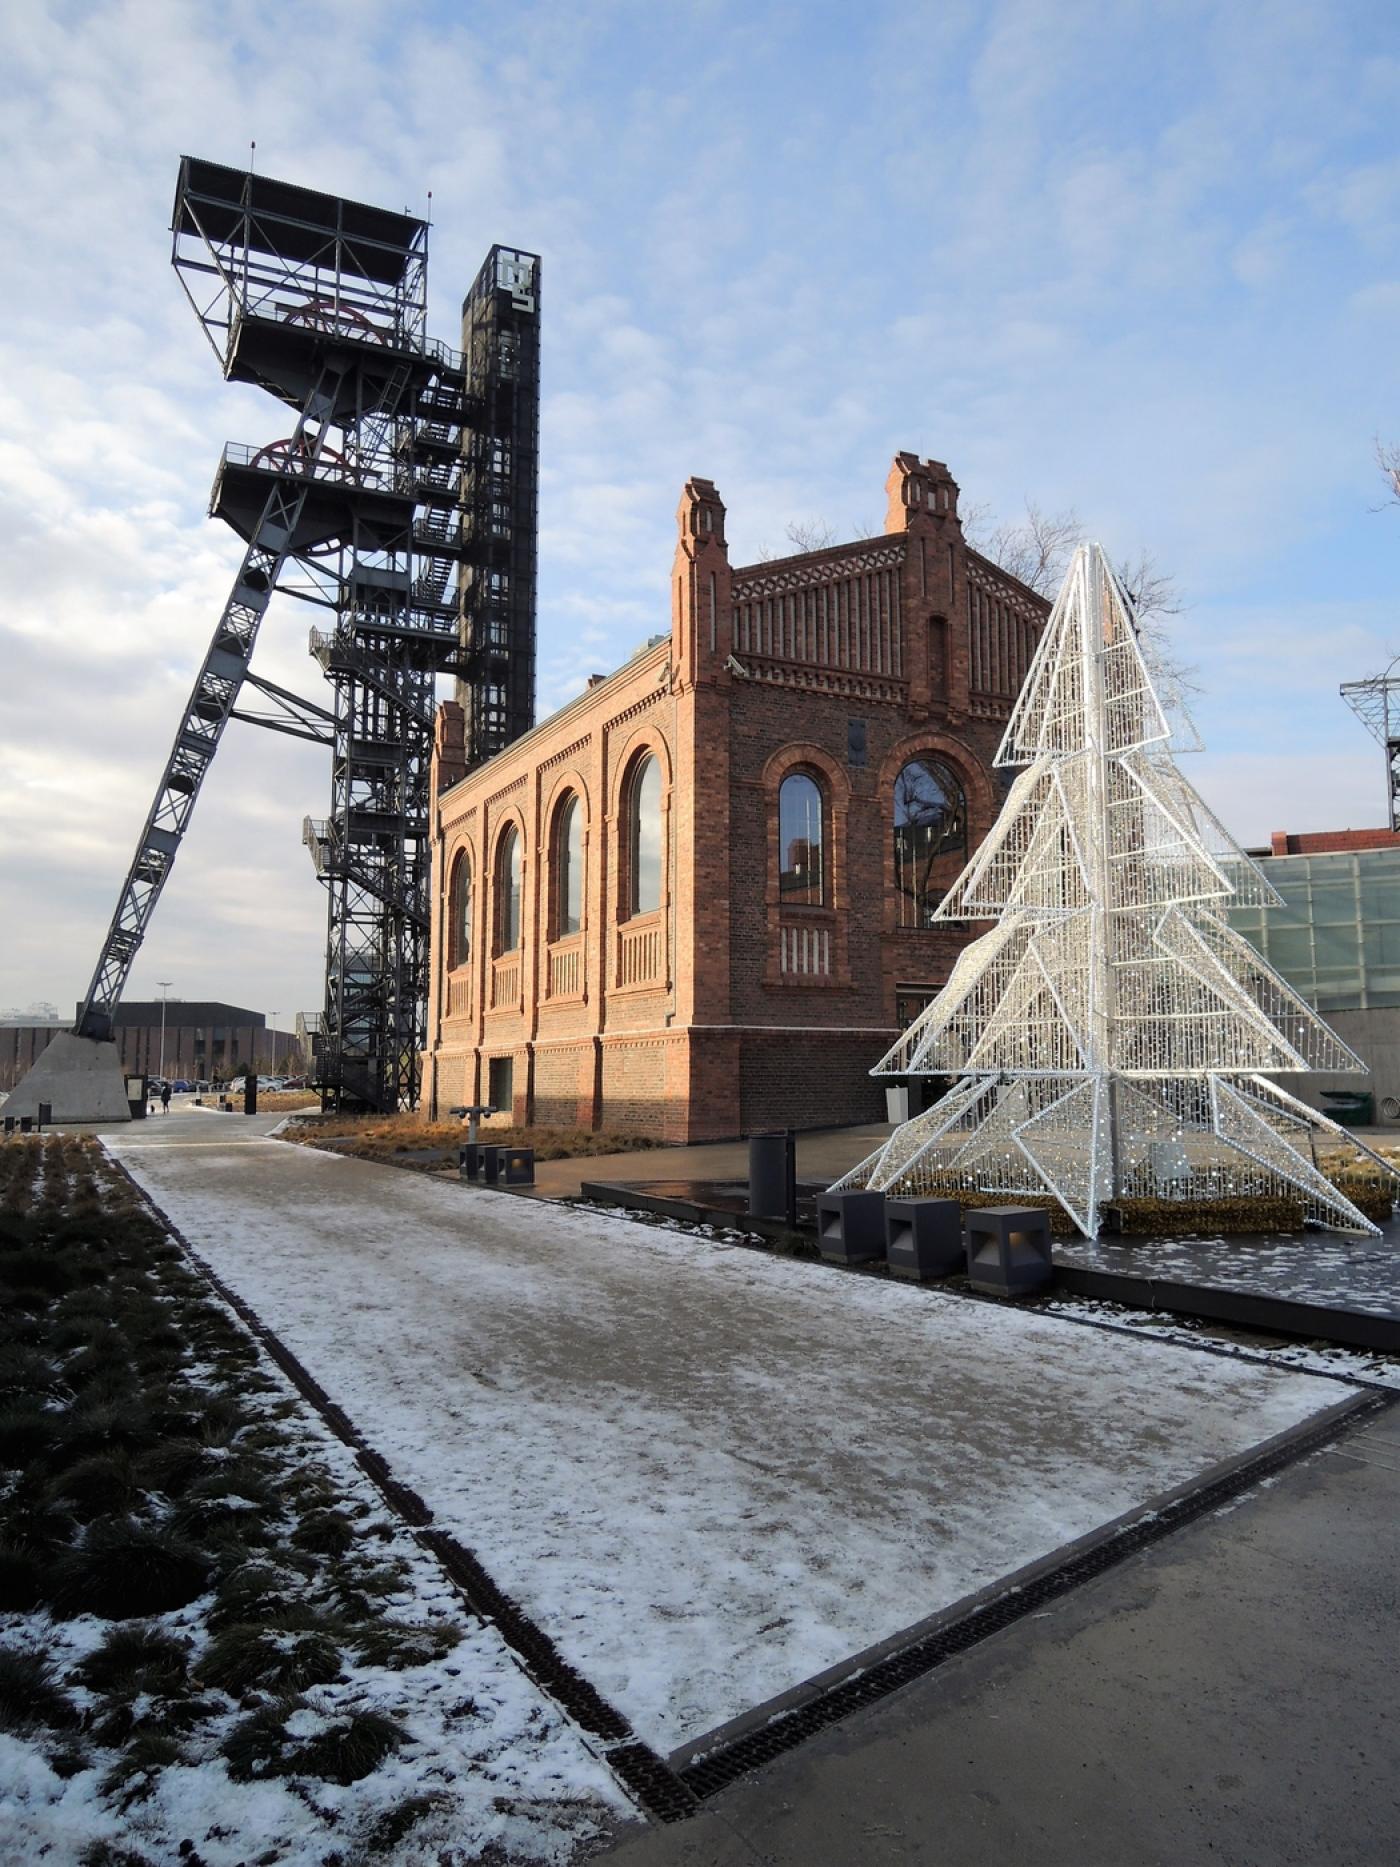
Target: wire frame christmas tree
[(1112, 1037)]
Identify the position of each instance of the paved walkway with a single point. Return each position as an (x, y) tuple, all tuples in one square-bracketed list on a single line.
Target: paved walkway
[(710, 1475), (1227, 1697), (823, 1154)]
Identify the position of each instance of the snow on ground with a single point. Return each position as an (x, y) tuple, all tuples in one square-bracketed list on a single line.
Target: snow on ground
[(708, 1473)]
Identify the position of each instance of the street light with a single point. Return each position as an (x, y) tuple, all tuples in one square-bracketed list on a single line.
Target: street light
[(273, 1016), (164, 985)]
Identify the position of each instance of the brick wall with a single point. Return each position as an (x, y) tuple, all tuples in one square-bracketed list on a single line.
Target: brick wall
[(729, 1007)]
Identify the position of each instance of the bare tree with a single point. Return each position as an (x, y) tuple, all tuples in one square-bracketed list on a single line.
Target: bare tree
[(810, 534), (1388, 460), (1036, 550)]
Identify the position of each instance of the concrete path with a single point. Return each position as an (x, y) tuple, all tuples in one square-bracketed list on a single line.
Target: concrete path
[(823, 1154), (1230, 1696), (710, 1475)]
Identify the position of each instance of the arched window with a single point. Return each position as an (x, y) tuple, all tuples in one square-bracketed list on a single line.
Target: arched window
[(508, 891), (568, 868), (644, 853), (800, 840), (930, 837), (459, 912)]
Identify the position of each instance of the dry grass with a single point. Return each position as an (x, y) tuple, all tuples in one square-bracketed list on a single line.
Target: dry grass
[(390, 1137), (282, 1101)]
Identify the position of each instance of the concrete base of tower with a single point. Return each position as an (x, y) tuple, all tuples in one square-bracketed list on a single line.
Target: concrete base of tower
[(79, 1078)]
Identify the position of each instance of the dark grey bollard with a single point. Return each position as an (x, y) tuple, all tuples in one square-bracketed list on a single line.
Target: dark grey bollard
[(516, 1166), (851, 1227), (924, 1238), (26, 1124), (469, 1160), (9, 1124), (491, 1164), (46, 1114), (1008, 1250)]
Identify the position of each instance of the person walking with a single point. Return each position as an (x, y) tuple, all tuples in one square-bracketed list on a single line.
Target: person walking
[(165, 1098)]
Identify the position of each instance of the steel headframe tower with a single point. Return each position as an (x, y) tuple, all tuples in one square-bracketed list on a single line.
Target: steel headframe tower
[(323, 303), (1376, 703), (500, 476)]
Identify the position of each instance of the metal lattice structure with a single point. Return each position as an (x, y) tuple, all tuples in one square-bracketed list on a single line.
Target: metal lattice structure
[(1376, 703), (1113, 1038), (370, 509)]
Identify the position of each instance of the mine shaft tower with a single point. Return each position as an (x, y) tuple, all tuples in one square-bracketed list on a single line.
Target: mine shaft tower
[(403, 503)]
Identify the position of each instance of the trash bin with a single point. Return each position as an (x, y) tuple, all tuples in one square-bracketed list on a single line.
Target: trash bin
[(896, 1102), (1353, 1108), (772, 1164)]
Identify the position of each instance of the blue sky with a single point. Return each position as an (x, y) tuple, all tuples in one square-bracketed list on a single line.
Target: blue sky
[(1141, 260)]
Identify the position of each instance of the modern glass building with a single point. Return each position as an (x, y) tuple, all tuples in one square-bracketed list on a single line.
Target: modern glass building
[(1336, 939)]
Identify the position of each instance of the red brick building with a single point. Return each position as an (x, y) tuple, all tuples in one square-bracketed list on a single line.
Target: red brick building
[(694, 902)]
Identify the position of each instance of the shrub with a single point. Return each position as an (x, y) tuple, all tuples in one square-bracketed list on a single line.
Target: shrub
[(20, 1571), (277, 1659), (135, 1659), (401, 1644), (95, 1486), (28, 1695), (260, 1592), (327, 1532), (125, 1569), (290, 1739), (27, 1428), (132, 1778)]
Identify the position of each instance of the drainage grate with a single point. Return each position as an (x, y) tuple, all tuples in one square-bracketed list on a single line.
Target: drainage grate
[(655, 1785), (718, 1768)]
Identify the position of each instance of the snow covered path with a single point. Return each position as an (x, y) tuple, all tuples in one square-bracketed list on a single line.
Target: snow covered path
[(708, 1474)]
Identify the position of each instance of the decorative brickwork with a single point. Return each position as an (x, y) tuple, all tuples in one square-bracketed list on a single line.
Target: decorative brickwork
[(727, 1004)]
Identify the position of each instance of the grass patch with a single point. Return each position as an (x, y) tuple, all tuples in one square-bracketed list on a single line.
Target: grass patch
[(388, 1139)]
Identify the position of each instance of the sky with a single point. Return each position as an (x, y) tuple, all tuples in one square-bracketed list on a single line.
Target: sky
[(1141, 260)]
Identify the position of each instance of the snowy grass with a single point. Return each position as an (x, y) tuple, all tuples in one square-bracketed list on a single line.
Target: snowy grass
[(213, 1638)]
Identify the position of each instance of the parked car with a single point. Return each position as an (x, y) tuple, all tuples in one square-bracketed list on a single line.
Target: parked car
[(180, 1087)]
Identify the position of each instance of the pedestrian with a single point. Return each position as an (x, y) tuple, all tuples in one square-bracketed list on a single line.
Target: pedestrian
[(165, 1098)]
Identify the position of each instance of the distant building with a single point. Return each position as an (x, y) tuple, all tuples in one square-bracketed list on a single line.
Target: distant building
[(202, 1039), (1336, 939), (696, 901)]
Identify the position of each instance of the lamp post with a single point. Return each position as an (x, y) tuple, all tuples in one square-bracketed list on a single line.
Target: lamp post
[(164, 985), (273, 1016)]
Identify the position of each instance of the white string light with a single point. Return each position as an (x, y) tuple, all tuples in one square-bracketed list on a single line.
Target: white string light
[(1110, 1032)]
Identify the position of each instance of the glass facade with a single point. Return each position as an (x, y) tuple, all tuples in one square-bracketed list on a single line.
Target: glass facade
[(1336, 939)]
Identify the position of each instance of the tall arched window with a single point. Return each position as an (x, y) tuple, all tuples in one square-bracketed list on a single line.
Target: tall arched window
[(800, 840), (508, 891), (930, 837), (459, 912), (568, 868), (644, 852)]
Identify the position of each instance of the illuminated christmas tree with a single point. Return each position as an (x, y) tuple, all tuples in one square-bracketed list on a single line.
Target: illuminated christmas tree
[(1112, 1037)]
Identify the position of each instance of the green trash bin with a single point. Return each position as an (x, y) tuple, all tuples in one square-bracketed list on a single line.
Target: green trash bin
[(1353, 1108)]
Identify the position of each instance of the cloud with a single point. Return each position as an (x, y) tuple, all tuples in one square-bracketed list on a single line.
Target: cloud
[(1133, 262)]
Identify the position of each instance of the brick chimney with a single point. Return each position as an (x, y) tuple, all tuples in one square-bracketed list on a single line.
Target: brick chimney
[(701, 596)]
